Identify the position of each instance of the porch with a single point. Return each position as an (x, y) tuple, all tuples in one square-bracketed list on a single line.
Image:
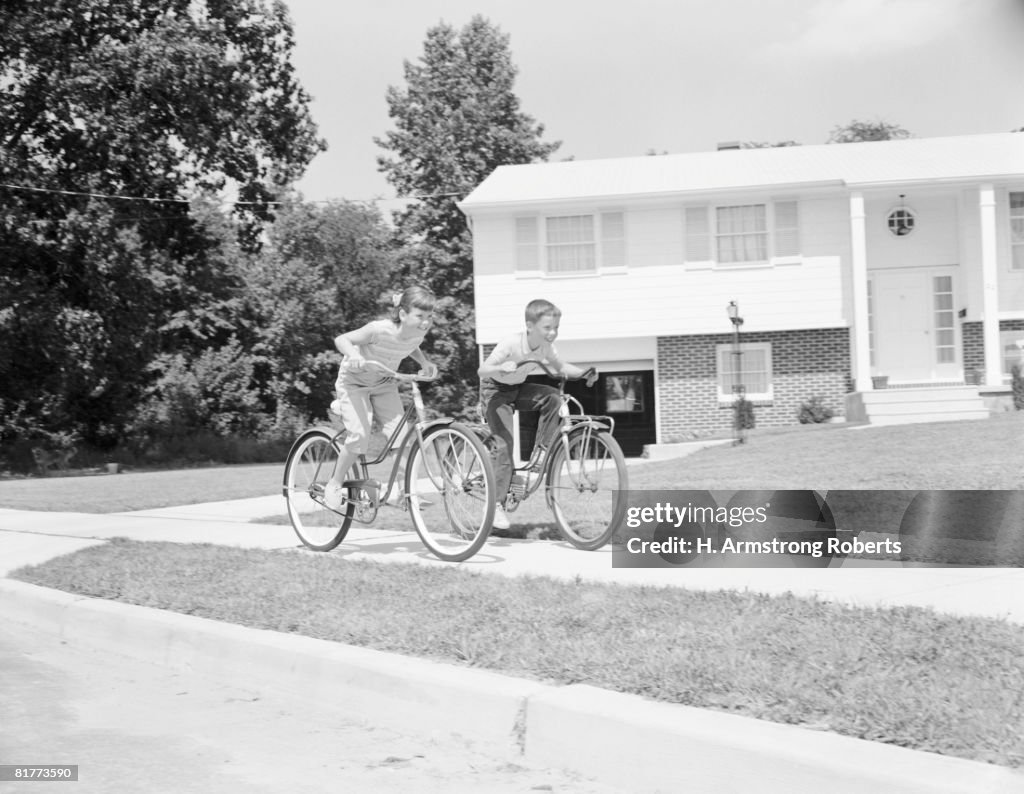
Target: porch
[(910, 403)]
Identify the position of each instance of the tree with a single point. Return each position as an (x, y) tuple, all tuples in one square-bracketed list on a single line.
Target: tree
[(145, 99), (857, 131), (456, 120)]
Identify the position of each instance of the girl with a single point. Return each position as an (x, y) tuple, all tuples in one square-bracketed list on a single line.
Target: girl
[(365, 392)]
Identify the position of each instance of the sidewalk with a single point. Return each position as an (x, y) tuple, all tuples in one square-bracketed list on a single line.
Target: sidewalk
[(33, 537), (577, 727)]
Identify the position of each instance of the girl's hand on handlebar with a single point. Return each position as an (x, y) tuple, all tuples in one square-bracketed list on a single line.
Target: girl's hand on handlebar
[(428, 371), (590, 376), (508, 367), (356, 363)]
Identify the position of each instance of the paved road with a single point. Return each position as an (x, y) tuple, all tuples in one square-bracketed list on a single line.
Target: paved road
[(137, 727)]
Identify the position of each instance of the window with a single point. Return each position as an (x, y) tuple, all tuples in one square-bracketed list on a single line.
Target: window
[(623, 393), (1017, 231), (945, 325), (745, 233), (741, 233), (1011, 343), (572, 244), (751, 369), (571, 247)]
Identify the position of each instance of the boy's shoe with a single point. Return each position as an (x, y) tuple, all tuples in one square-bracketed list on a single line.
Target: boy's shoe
[(500, 518), (536, 459), (334, 495)]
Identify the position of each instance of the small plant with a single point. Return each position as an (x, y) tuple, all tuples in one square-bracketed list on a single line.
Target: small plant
[(1017, 386), (742, 414), (814, 411)]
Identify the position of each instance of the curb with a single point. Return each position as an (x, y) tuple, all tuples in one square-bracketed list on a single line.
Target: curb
[(618, 739)]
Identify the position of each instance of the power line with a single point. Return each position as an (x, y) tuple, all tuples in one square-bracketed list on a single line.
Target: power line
[(87, 194)]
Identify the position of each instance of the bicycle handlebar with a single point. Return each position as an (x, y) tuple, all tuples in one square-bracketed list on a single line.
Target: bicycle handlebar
[(402, 376), (587, 373)]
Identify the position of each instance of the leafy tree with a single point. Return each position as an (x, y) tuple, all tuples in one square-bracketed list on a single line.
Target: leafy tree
[(133, 98), (456, 120), (857, 131)]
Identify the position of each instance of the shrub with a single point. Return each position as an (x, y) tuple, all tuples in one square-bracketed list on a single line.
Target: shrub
[(743, 414), (814, 411), (1017, 385)]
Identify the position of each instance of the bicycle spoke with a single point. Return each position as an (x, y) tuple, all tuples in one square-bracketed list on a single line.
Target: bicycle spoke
[(308, 469), (451, 490), (586, 477)]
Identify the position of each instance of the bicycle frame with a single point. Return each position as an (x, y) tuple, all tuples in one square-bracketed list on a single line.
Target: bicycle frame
[(570, 423), (415, 409)]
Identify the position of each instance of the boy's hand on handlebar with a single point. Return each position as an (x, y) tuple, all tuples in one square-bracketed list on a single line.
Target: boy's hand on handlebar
[(509, 367), (356, 363), (590, 376), (429, 370)]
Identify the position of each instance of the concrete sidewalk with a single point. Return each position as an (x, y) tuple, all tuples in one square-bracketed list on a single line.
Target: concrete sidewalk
[(32, 537), (577, 727)]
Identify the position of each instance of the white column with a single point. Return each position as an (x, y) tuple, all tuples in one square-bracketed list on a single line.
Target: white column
[(989, 287), (859, 267)]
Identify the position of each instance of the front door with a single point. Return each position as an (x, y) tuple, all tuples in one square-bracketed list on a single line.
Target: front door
[(913, 322)]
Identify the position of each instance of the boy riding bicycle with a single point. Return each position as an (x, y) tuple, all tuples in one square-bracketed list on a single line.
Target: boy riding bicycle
[(503, 388)]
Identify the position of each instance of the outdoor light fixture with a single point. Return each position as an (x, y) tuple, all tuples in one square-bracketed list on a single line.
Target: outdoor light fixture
[(734, 314)]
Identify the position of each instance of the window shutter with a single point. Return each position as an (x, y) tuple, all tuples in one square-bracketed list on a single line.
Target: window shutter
[(697, 236), (527, 251), (613, 239), (787, 228)]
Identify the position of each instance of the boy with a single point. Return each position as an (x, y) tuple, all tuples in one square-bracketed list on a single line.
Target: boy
[(503, 387)]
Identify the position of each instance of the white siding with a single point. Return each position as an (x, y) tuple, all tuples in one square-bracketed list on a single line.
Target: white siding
[(668, 300)]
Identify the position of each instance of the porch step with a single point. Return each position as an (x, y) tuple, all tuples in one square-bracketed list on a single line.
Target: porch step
[(894, 406)]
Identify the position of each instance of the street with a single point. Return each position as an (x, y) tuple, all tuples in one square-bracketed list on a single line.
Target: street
[(131, 726)]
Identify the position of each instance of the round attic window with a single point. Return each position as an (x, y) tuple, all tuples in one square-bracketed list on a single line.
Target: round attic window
[(901, 222)]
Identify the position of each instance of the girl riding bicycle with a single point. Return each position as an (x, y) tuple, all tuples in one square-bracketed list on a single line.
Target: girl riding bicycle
[(363, 393)]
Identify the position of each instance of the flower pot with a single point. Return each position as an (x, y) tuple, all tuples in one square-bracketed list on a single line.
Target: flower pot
[(113, 468), (880, 381)]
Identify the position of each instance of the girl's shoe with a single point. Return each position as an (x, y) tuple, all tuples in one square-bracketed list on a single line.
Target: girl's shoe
[(334, 495)]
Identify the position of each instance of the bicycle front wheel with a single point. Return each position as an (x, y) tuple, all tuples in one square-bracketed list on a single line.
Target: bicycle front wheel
[(307, 471), (449, 483), (586, 480)]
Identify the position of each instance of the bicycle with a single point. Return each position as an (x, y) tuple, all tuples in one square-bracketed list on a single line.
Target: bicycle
[(584, 473), (449, 482)]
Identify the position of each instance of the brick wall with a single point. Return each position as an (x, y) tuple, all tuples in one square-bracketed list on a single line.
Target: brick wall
[(972, 338), (804, 364)]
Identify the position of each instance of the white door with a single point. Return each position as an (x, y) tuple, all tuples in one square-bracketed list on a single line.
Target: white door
[(914, 330)]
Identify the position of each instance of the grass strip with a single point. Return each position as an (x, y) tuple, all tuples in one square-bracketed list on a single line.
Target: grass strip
[(905, 676)]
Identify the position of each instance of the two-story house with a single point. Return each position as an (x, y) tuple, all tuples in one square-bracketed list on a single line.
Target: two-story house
[(846, 261)]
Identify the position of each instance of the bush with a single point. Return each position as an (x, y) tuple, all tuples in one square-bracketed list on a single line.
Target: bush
[(1017, 384), (743, 414), (814, 411)]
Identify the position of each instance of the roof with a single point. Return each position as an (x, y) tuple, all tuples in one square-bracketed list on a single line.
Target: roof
[(961, 158)]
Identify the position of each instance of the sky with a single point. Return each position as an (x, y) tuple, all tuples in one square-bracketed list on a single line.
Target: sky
[(623, 79)]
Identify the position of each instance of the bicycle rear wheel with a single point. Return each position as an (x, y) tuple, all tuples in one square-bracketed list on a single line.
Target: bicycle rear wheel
[(449, 483), (586, 480), (307, 471)]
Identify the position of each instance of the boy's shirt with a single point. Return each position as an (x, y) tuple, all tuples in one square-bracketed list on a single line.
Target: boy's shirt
[(516, 348)]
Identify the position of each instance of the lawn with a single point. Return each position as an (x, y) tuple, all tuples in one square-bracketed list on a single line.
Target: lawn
[(906, 676), (987, 454)]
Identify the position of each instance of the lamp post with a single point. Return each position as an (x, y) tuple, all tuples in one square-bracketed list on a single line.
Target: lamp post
[(738, 388)]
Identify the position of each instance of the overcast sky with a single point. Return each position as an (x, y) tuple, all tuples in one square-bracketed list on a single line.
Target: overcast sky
[(621, 79)]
